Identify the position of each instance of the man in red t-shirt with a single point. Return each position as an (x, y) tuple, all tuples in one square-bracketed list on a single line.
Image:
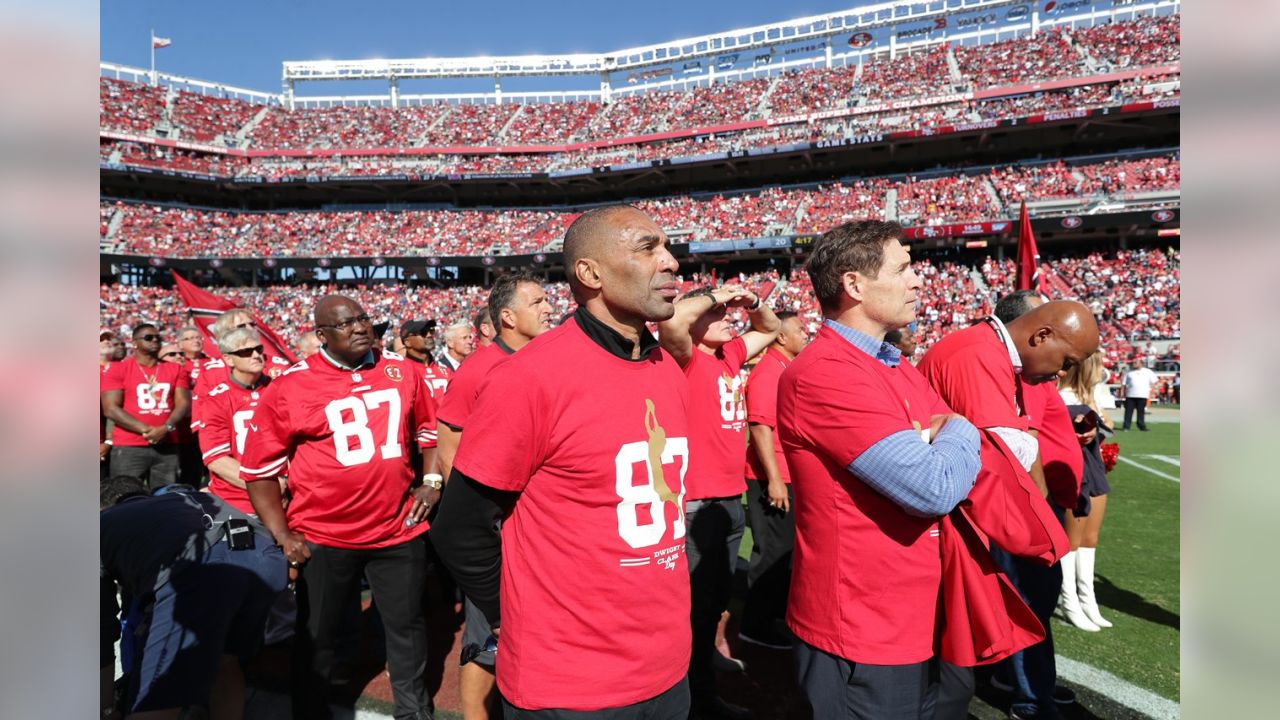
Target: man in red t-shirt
[(700, 338), (228, 411), (147, 400), (876, 459), (579, 444), (518, 304), (773, 527), (344, 423)]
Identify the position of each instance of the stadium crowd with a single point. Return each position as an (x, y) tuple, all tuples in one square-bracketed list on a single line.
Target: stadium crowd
[(718, 321), (190, 232), (1055, 53)]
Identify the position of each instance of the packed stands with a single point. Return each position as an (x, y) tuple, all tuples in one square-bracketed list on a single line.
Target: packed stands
[(1134, 43), (1047, 56), (949, 198), (918, 73), (1135, 293)]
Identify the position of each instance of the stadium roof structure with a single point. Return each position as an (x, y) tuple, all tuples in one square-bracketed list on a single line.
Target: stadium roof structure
[(706, 54)]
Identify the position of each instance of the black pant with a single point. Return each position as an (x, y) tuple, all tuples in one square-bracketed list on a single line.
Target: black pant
[(155, 465), (191, 465), (840, 689), (670, 705), (328, 587), (773, 534), (714, 534), (1139, 404)]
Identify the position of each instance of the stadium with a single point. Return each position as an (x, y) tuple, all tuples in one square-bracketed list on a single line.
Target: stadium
[(744, 146)]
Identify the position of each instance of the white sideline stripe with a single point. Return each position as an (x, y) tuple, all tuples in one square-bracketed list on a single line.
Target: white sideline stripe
[(1114, 688), (1166, 458), (1153, 471)]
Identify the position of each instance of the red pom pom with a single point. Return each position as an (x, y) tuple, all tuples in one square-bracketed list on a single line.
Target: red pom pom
[(1110, 451)]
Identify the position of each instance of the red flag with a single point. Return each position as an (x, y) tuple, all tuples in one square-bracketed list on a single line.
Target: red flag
[(1029, 275), (205, 307)]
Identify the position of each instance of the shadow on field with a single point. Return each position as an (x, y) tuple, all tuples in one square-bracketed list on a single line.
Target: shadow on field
[(1131, 603)]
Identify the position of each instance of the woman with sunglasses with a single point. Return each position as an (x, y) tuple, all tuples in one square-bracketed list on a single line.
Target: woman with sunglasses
[(227, 408)]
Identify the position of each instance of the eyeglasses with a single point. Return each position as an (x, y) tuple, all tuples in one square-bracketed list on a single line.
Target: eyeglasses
[(170, 354), (149, 337), (349, 323), (248, 352)]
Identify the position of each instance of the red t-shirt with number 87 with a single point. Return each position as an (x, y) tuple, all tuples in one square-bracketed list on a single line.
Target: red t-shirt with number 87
[(148, 395), (346, 438)]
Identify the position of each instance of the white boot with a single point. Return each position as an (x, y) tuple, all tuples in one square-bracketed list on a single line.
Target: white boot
[(1068, 600), (1085, 557)]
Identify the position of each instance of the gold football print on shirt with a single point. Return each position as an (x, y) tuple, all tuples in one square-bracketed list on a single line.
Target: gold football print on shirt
[(657, 444)]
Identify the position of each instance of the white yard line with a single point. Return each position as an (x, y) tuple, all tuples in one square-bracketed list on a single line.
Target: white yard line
[(1121, 691), (1153, 471), (1166, 458)]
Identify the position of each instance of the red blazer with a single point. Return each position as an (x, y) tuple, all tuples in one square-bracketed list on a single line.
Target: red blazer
[(984, 620)]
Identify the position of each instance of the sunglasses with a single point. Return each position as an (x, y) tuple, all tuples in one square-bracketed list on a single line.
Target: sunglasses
[(251, 324), (248, 352), (149, 337), (170, 354)]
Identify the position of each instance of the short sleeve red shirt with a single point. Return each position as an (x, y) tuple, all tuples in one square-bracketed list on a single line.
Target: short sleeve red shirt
[(212, 373), (866, 576), (464, 386), (228, 410), (717, 419), (147, 394), (346, 438), (1060, 455), (595, 586), (762, 409), (971, 370)]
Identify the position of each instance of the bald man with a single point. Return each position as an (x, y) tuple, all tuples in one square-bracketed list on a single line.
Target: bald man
[(580, 442), (982, 372), (343, 424)]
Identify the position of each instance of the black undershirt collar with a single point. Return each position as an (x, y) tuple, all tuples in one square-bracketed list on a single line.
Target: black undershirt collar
[(503, 346), (612, 340)]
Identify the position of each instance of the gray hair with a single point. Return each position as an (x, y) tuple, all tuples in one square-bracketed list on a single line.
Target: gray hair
[(189, 329), (453, 330), (225, 322), (234, 338)]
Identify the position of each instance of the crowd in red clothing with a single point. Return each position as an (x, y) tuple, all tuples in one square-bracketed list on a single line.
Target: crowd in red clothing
[(189, 232), (1052, 53), (1133, 43), (1134, 293)]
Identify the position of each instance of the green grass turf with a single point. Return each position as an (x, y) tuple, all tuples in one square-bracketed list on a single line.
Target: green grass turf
[(1137, 571)]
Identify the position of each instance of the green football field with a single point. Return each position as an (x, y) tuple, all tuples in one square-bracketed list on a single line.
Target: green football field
[(1137, 576)]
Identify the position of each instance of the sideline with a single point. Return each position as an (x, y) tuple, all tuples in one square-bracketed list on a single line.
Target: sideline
[(1114, 688), (1151, 470)]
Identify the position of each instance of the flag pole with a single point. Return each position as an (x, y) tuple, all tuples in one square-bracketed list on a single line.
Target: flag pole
[(153, 57)]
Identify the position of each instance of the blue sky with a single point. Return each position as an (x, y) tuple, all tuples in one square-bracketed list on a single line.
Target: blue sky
[(243, 43)]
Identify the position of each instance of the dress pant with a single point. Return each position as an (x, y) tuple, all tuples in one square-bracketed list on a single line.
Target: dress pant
[(328, 589), (154, 465), (839, 689), (773, 534), (1033, 671), (1138, 404), (714, 533), (670, 705)]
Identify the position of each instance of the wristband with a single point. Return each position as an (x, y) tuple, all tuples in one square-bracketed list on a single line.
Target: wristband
[(435, 481), (755, 305)]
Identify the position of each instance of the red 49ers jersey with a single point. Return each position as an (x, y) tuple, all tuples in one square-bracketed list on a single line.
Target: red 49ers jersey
[(717, 419), (214, 372), (148, 395), (228, 406), (595, 587), (346, 437)]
